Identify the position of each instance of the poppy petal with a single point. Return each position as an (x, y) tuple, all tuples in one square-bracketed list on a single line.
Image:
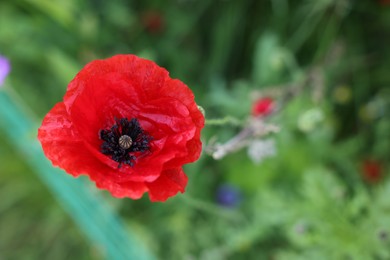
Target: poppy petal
[(63, 146), (167, 185)]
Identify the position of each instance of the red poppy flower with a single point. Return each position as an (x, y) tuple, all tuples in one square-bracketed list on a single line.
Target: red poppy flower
[(372, 171), (153, 21), (128, 126), (263, 107)]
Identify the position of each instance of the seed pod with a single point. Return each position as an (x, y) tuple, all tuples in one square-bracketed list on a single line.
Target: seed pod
[(125, 142)]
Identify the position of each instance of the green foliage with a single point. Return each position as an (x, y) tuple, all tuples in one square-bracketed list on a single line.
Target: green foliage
[(309, 201)]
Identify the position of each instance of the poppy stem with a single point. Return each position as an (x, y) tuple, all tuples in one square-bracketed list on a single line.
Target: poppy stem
[(227, 120)]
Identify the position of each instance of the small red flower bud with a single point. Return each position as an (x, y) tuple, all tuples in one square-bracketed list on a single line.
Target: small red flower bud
[(372, 171), (263, 107), (153, 21)]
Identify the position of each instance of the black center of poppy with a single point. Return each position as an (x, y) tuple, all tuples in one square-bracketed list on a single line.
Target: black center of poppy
[(125, 141)]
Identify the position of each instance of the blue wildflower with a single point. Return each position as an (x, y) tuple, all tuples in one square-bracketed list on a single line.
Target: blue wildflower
[(228, 196)]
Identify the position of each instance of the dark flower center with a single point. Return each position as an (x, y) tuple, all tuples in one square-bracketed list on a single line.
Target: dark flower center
[(125, 141)]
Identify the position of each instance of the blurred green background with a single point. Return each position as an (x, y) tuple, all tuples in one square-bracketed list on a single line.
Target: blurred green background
[(325, 194)]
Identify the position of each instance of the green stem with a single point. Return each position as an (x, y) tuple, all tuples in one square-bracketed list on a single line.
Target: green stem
[(228, 120)]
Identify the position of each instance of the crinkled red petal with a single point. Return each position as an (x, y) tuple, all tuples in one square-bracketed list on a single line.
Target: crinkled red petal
[(167, 185), (130, 189), (63, 146)]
